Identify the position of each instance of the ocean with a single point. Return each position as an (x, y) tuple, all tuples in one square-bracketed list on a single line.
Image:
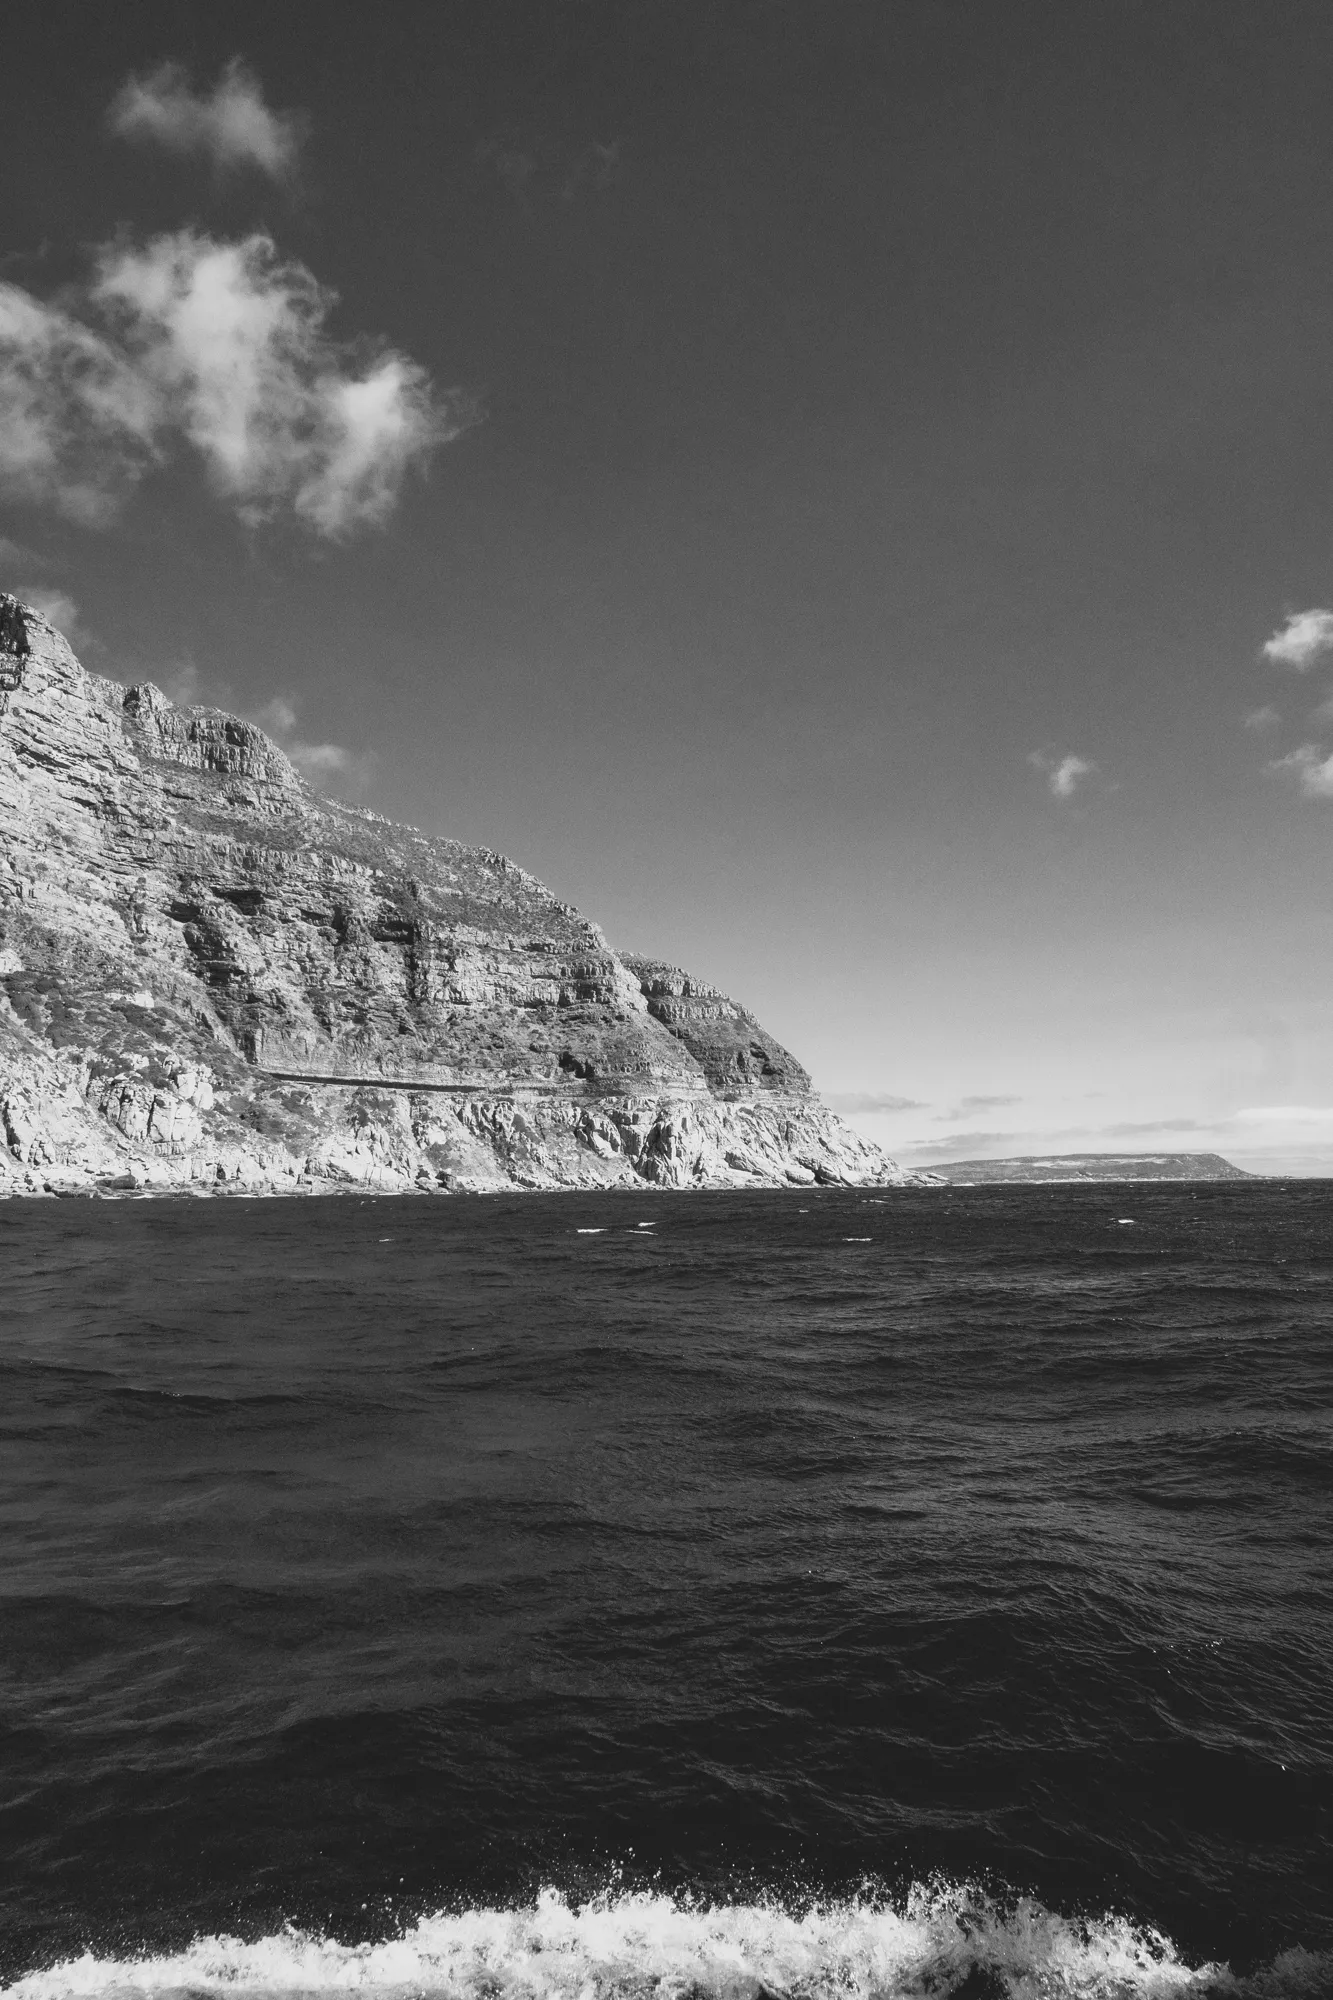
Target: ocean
[(704, 1596)]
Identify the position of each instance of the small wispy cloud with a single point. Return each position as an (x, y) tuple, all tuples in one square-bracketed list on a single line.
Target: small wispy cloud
[(325, 759), (277, 716), (316, 761), (1306, 637), (14, 556), (57, 607), (968, 1107), (222, 346), (1155, 1127), (182, 684), (1266, 717), (1064, 774), (535, 168), (17, 565), (230, 126), (1286, 1114), (958, 1145), (869, 1101), (1312, 768)]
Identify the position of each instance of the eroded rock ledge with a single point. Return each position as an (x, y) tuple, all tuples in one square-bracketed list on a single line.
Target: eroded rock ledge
[(213, 979)]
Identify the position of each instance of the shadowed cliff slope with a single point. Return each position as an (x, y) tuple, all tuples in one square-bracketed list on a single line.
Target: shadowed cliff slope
[(212, 977)]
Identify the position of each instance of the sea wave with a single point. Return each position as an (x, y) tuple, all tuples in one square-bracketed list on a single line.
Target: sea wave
[(939, 1942)]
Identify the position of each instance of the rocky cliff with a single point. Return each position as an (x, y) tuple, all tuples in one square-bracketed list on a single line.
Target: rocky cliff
[(212, 978)]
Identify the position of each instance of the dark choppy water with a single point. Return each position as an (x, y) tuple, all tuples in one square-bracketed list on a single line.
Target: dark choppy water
[(434, 1596)]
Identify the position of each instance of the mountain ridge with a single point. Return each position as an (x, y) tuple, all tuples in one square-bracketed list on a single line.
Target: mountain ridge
[(213, 977)]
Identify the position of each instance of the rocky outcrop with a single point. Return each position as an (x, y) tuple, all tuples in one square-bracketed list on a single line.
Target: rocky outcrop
[(212, 978), (735, 1054)]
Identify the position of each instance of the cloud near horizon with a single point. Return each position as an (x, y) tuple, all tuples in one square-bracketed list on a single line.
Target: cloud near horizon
[(1036, 1139), (866, 1101), (966, 1106), (1286, 1114), (1157, 1125), (957, 1145), (1063, 774), (1306, 637), (223, 345), (230, 126)]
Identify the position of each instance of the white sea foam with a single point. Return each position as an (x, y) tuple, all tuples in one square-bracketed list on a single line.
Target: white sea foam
[(652, 1947)]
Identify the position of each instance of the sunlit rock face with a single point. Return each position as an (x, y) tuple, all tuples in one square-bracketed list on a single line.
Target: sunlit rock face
[(213, 978)]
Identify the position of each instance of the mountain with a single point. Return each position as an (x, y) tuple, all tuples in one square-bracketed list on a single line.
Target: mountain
[(1092, 1167), (213, 978)]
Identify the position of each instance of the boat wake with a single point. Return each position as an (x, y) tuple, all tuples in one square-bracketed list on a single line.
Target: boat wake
[(942, 1943)]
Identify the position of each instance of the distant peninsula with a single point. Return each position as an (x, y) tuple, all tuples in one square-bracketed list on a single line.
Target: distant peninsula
[(1092, 1167), (213, 979)]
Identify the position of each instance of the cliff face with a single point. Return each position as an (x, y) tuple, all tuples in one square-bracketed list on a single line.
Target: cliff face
[(210, 977)]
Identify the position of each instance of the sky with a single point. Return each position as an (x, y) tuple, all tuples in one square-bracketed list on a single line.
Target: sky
[(841, 492)]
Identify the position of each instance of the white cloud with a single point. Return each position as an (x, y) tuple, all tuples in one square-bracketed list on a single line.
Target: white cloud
[(277, 716), (314, 760), (1065, 777), (78, 421), (1311, 766), (1063, 774), (230, 125), (1306, 637), (373, 430), (1266, 717), (322, 760), (224, 345)]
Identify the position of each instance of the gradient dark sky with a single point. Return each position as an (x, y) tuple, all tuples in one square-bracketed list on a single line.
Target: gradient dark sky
[(903, 391)]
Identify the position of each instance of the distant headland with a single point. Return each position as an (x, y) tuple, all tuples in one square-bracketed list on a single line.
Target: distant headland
[(1092, 1167)]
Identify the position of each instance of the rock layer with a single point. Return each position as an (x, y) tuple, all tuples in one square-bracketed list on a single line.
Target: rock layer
[(212, 978)]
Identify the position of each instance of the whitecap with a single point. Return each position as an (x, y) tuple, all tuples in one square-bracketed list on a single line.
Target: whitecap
[(654, 1947)]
